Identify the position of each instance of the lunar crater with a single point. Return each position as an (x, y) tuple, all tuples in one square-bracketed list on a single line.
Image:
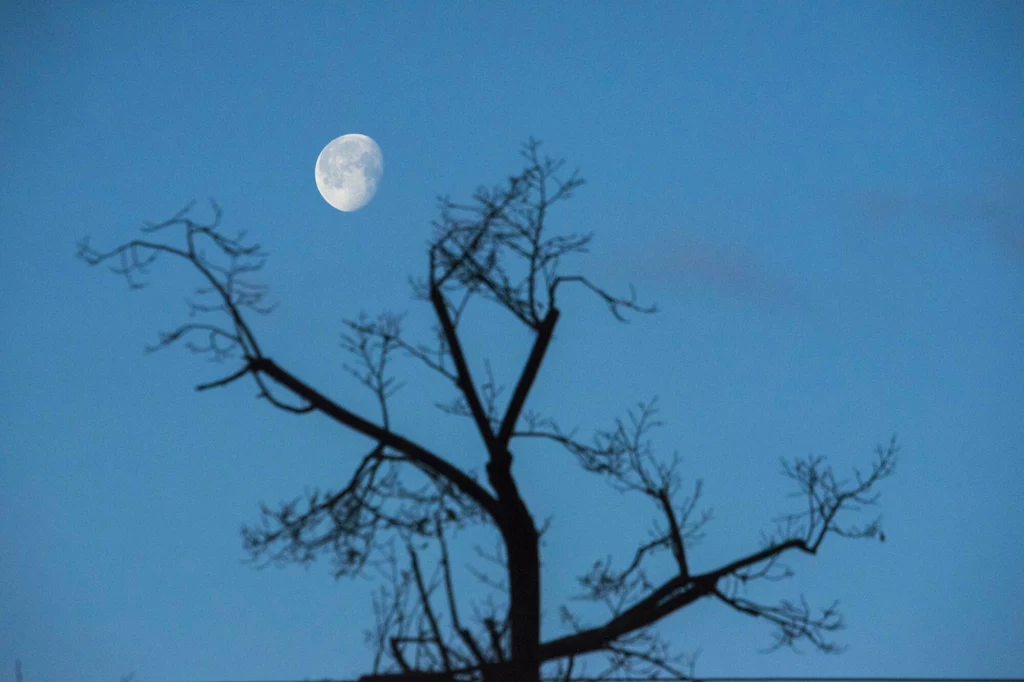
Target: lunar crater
[(348, 171)]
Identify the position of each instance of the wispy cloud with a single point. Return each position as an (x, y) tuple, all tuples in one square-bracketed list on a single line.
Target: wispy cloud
[(998, 211), (690, 263)]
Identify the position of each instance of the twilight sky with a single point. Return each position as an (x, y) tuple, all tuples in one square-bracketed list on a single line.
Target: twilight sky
[(824, 200)]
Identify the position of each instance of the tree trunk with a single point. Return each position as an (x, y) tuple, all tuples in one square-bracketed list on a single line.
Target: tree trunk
[(522, 549), (524, 591)]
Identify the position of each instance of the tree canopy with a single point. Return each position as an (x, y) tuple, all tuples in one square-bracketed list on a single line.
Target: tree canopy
[(403, 502)]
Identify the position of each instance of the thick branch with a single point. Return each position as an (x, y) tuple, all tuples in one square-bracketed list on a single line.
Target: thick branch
[(674, 534), (660, 603), (465, 379), (526, 379), (414, 452)]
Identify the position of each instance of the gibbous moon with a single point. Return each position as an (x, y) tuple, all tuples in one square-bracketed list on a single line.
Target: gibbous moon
[(348, 171)]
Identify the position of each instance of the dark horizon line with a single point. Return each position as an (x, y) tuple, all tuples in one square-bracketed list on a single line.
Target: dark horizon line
[(707, 679)]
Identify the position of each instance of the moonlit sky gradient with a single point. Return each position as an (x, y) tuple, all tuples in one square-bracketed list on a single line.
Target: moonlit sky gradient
[(824, 200)]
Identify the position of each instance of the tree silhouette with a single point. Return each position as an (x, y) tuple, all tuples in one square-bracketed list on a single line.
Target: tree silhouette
[(404, 502)]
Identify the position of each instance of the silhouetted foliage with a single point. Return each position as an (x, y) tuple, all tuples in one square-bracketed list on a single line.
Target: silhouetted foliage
[(403, 500)]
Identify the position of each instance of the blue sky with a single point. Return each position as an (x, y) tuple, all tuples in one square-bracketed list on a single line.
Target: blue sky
[(823, 199)]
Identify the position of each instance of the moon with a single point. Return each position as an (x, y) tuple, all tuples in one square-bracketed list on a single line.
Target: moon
[(348, 171)]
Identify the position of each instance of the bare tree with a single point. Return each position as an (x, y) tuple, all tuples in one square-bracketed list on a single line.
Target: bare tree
[(404, 502)]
